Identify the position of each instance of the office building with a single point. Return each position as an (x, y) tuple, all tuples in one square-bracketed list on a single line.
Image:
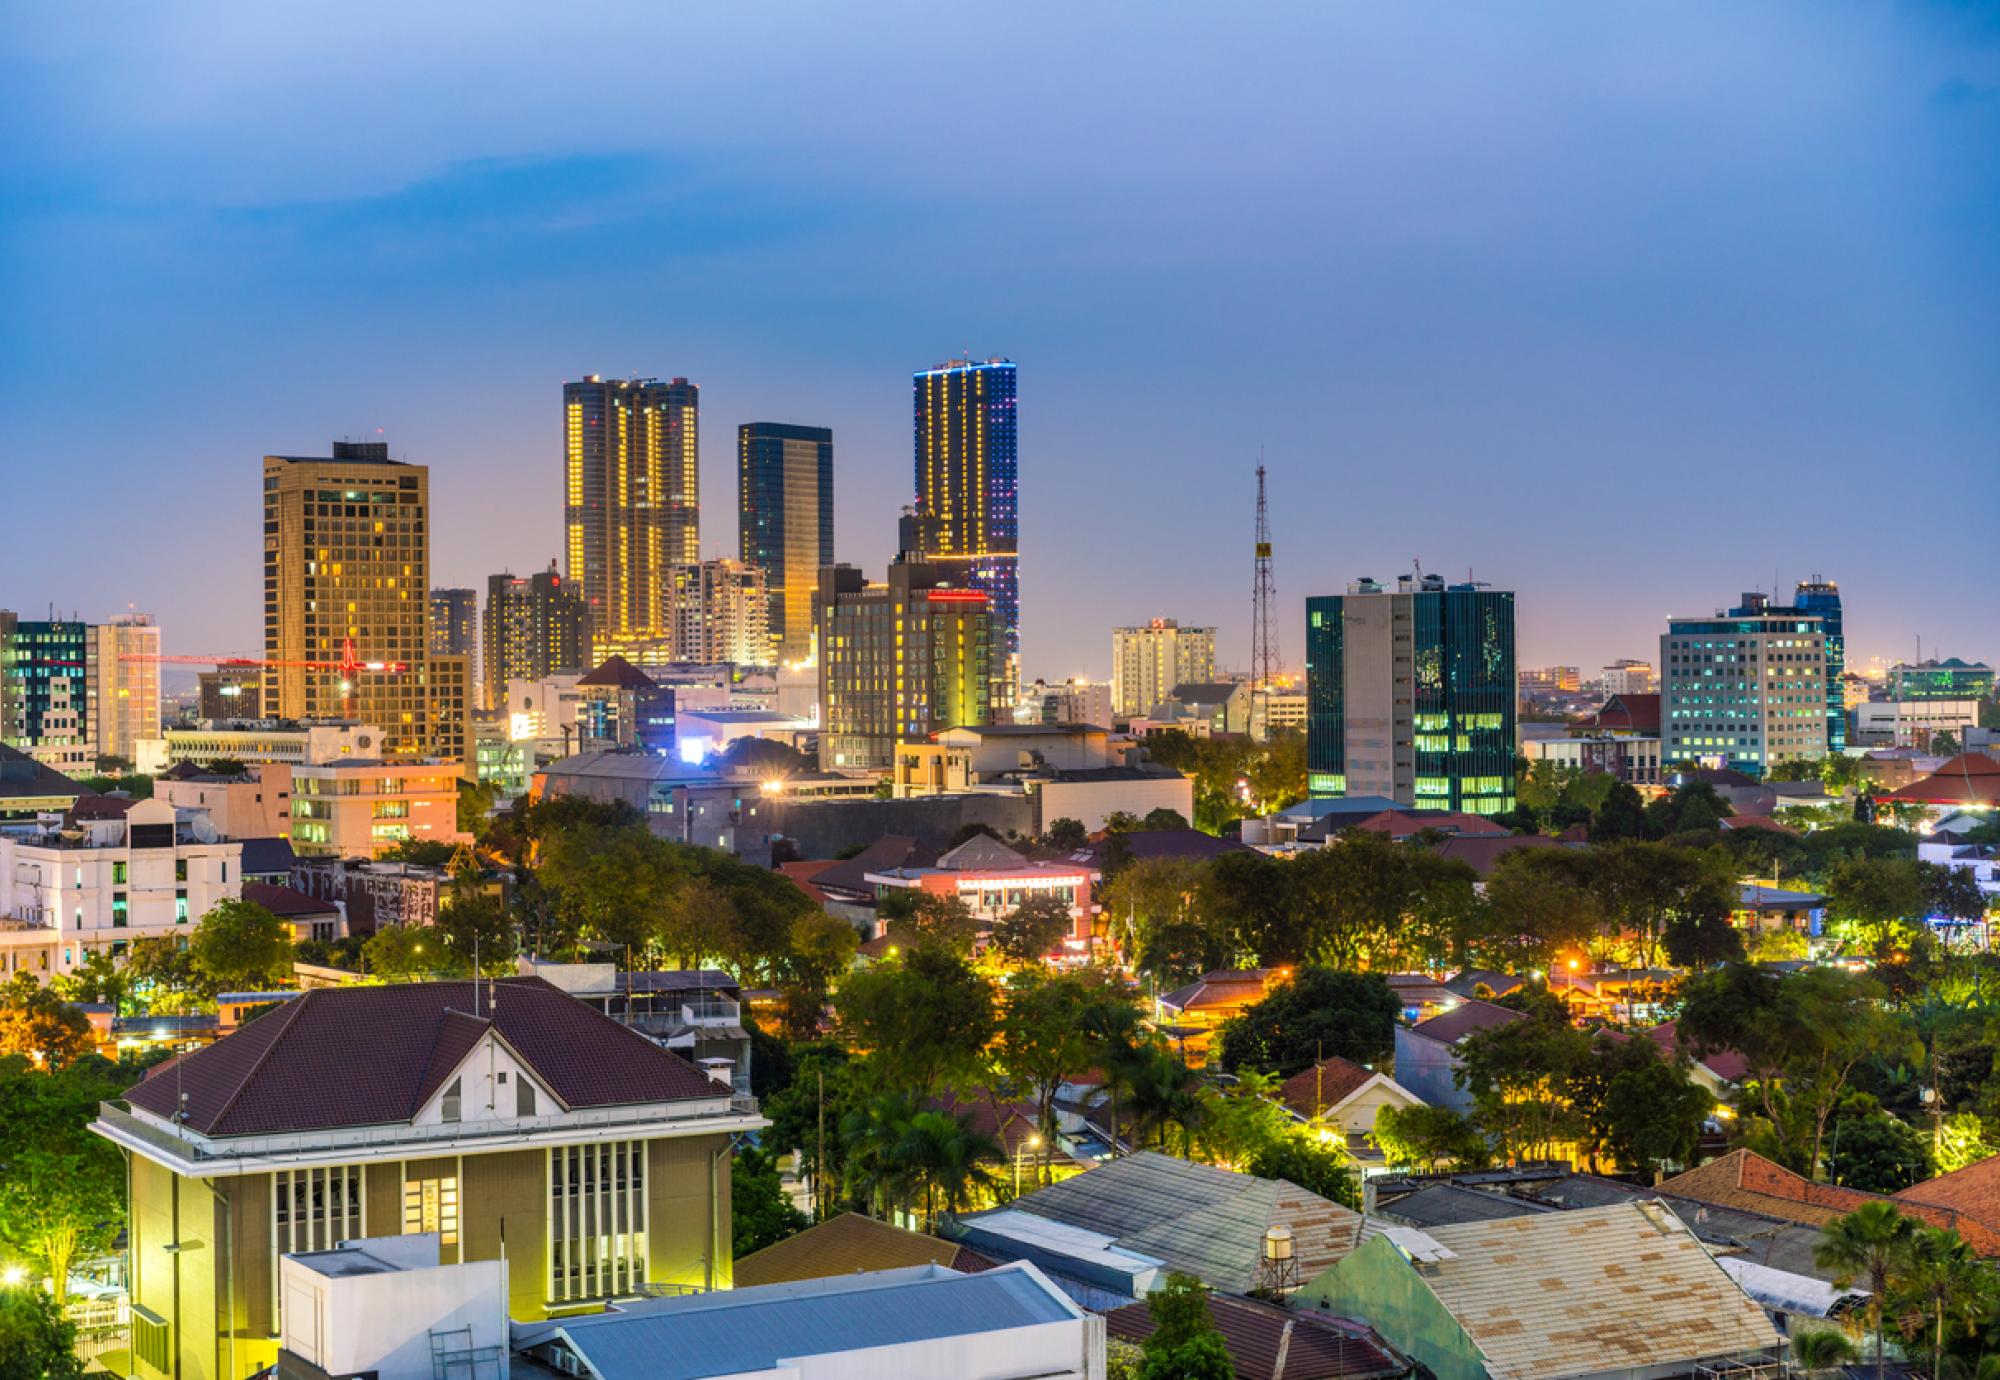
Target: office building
[(1821, 598), (1071, 701), (721, 614), (534, 628), (451, 1109), (361, 808), (1148, 662), (455, 622), (900, 660), (1949, 679), (1744, 688), (1915, 723), (784, 522), (966, 493), (49, 666), (230, 692), (347, 592), (1411, 695), (618, 705), (631, 499), (1628, 677), (1551, 680), (127, 677)]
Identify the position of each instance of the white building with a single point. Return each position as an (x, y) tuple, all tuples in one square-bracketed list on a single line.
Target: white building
[(128, 684), (374, 1304), (1632, 760), (722, 613), (545, 711), (1148, 662), (1071, 701), (310, 743), (1744, 688), (1078, 770), (1911, 723), (101, 881), (1628, 677)]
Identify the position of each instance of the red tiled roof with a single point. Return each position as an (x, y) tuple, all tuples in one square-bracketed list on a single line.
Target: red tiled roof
[(1012, 1123), (286, 903), (1758, 822), (1744, 1179), (1971, 778), (802, 874), (1482, 852), (1270, 1343), (1725, 1064), (1637, 714), (1973, 1191), (1398, 825), (1318, 1090), (1449, 1027), (365, 1056)]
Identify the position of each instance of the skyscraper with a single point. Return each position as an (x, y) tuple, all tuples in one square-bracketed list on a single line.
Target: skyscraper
[(722, 612), (1410, 694), (631, 498), (454, 622), (784, 520), (966, 491), (1744, 688), (1147, 662), (1821, 598), (347, 579), (534, 628), (127, 684), (50, 667)]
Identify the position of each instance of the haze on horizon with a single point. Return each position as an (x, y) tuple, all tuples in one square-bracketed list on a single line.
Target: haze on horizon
[(1626, 308)]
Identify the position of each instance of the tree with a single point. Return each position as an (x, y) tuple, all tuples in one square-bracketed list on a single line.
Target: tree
[(1315, 1014), (1241, 1120), (36, 1341), (1249, 900), (1645, 888), (822, 948), (1154, 906), (159, 970), (1951, 892), (943, 923), (1693, 808), (1650, 1113), (405, 953), (240, 947), (921, 1019), (1541, 902), (1067, 835), (1163, 818), (35, 1023), (1185, 1343), (760, 1211), (1349, 898), (62, 1189), (1520, 1076), (948, 1160), (1871, 1150), (1868, 1246), (475, 802), (1821, 1350), (1874, 897), (698, 919), (1622, 815), (1032, 929), (478, 925), (1046, 1036), (1300, 1158), (1121, 822), (1943, 1285), (1425, 1137), (1162, 1093), (807, 1113), (611, 885), (423, 852)]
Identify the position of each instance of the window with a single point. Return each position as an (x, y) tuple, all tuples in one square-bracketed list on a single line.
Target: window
[(524, 1097), (452, 1099), (181, 906), (118, 874), (180, 869), (431, 1205), (120, 911)]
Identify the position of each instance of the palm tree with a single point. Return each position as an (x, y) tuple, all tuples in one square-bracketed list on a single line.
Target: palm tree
[(1945, 1284), (1164, 1093), (1821, 1350), (1112, 1027), (872, 1135), (952, 1161), (1869, 1245)]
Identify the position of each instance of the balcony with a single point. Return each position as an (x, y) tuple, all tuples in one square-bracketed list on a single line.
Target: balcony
[(711, 1011)]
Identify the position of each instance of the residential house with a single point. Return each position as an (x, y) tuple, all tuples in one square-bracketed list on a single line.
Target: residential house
[(1427, 1059), (1341, 1099), (1190, 1016), (307, 917)]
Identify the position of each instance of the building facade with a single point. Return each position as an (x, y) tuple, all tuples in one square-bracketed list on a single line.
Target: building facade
[(1147, 662), (359, 809), (784, 522), (1071, 701), (347, 592), (455, 622), (49, 666), (1411, 694), (900, 660), (128, 684), (1949, 679), (1821, 598), (1913, 723), (534, 628), (631, 498), (967, 495), (1745, 688), (230, 692), (1629, 677), (721, 614)]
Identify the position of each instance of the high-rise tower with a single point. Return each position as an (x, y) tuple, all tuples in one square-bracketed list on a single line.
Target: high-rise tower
[(1821, 598), (967, 492), (784, 521), (631, 498)]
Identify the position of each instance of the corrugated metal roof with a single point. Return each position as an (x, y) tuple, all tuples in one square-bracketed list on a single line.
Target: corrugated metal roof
[(743, 1330)]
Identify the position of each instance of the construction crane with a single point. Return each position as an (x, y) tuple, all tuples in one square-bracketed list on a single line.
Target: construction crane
[(1263, 642), (350, 666)]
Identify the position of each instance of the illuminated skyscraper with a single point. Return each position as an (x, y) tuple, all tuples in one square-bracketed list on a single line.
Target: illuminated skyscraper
[(784, 519), (534, 628), (966, 491), (1822, 598), (631, 498), (454, 622)]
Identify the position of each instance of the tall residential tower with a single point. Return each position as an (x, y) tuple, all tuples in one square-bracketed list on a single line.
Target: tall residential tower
[(631, 498), (967, 492), (1147, 662), (784, 521), (1744, 688)]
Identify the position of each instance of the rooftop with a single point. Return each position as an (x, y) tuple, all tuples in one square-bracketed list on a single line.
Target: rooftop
[(1270, 1343), (850, 1244)]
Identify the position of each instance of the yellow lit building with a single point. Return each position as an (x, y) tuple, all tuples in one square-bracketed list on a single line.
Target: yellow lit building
[(359, 809)]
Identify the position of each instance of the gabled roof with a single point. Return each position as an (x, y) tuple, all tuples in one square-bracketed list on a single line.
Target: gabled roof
[(1403, 824), (1270, 1343), (285, 903), (1764, 822), (364, 1056), (1449, 1027), (849, 1244), (1971, 778), (981, 853), (1744, 1179), (1973, 1191), (1326, 1085), (1482, 852), (890, 851), (803, 876), (620, 673), (1205, 692), (1636, 714), (1141, 844), (1467, 982), (23, 778), (1598, 1290), (1218, 986)]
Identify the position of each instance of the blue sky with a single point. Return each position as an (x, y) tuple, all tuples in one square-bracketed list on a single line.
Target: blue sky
[(1629, 307)]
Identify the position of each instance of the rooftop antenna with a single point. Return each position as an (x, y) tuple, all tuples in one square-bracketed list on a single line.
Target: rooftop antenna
[(1263, 645)]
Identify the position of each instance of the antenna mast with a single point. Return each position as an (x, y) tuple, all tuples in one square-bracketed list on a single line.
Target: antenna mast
[(1263, 645)]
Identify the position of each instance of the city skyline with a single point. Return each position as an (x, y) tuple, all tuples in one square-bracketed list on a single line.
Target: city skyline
[(1580, 344)]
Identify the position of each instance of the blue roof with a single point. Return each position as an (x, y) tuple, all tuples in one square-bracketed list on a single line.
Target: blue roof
[(739, 1330)]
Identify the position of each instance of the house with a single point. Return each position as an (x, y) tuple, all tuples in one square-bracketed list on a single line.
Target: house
[(1267, 1342), (1341, 1098), (926, 1321), (1190, 1016), (1972, 1192), (1718, 1071), (507, 1117), (1110, 1235), (1625, 716), (992, 880), (1400, 825), (851, 1244), (1142, 845), (1427, 1061), (305, 916), (1764, 906), (1625, 1291), (1420, 995), (697, 1013), (28, 788), (1321, 815), (1746, 1180)]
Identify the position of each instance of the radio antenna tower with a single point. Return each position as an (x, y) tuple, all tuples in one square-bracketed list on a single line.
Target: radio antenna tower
[(1263, 645)]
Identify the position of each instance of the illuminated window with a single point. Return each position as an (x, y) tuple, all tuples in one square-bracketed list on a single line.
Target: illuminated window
[(431, 1205)]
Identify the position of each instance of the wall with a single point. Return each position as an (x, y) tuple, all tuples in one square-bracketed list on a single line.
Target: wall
[(1378, 1286), (1426, 1068), (1090, 803), (687, 1233), (1047, 1351), (822, 828), (382, 1322), (1359, 1115)]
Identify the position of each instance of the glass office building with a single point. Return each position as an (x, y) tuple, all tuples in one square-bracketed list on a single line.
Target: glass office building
[(967, 500), (1745, 688), (784, 522), (1821, 599)]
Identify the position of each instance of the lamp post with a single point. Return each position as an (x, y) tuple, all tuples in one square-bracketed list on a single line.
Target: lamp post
[(1031, 1143)]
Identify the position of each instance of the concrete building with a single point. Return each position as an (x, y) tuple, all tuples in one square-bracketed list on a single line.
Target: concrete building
[(621, 706), (127, 676), (900, 660), (48, 686), (1551, 680), (453, 690), (1071, 701), (455, 623), (357, 808), (992, 880), (63, 738), (681, 802), (264, 740), (372, 895), (1629, 677), (722, 614), (968, 514), (506, 1119), (534, 628), (1744, 689), (1912, 723), (1148, 661), (105, 877), (1206, 709), (347, 593), (230, 692), (1072, 771), (1285, 713), (1949, 679), (631, 500), (254, 805), (1633, 760), (1412, 694), (392, 1308), (784, 523)]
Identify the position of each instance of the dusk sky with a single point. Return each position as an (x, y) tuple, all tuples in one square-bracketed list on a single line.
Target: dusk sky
[(1627, 307)]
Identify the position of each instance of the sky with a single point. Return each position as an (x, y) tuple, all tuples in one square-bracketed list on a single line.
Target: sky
[(1628, 307)]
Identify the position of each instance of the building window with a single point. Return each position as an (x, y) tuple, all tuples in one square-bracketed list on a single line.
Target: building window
[(181, 907), (453, 1096), (118, 874), (120, 911), (431, 1205), (524, 1097), (597, 1219), (180, 869)]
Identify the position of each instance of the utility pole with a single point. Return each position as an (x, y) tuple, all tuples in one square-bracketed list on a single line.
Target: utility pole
[(1263, 645)]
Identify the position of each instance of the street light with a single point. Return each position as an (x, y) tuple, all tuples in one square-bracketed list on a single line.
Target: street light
[(1031, 1143)]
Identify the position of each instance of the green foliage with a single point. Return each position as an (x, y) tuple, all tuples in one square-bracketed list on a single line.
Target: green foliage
[(1871, 1150), (1047, 1034), (1540, 902), (1300, 1157), (131, 783), (1519, 1075), (1273, 774), (1163, 818), (760, 1211), (476, 924), (922, 1019), (1032, 929), (1821, 1349), (1240, 1120), (1425, 1137), (824, 1087), (35, 1023), (1154, 907), (1622, 816), (1066, 834), (1642, 1110), (62, 1189), (898, 1156), (476, 800), (943, 924), (423, 852), (240, 947), (1184, 1343), (36, 1341), (406, 953), (1942, 1288), (1866, 1248), (1876, 898), (1693, 807), (1316, 1014)]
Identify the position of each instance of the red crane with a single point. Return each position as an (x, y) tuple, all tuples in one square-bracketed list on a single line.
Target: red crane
[(350, 665)]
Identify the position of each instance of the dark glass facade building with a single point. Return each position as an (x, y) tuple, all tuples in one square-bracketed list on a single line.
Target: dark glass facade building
[(1821, 599), (1410, 694), (534, 628), (38, 654), (784, 521), (966, 490)]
